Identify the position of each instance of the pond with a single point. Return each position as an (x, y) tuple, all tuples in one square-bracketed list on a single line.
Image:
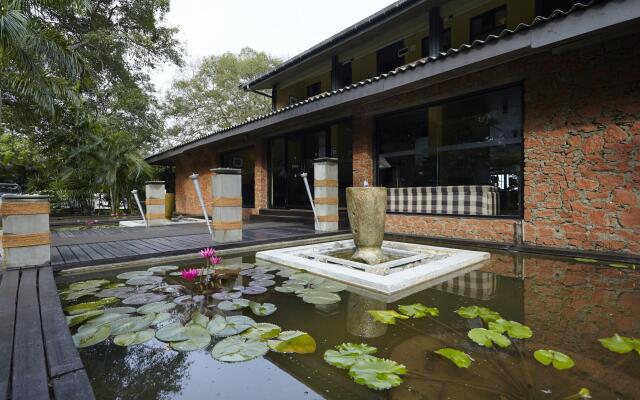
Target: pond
[(564, 306)]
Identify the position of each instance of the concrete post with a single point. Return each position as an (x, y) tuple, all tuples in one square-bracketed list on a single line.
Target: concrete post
[(325, 193), (226, 216), (155, 192), (24, 237)]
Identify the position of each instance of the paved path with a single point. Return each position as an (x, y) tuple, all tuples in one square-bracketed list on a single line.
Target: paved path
[(101, 246)]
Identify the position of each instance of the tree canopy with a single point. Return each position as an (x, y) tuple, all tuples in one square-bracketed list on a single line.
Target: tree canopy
[(208, 98)]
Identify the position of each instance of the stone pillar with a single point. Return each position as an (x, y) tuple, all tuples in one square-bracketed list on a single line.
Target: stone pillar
[(226, 191), (24, 237), (155, 192), (325, 193)]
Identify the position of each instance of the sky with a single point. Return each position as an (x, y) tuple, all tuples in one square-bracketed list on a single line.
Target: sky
[(283, 28)]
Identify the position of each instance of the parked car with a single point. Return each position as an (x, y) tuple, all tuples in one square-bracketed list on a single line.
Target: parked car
[(10, 188)]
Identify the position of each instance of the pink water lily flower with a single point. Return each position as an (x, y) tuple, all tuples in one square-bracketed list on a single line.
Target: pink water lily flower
[(207, 253), (215, 260), (189, 274)]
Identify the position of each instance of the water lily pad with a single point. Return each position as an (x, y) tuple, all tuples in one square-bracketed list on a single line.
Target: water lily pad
[(119, 292), (514, 329), (263, 283), (486, 314), (620, 344), (145, 280), (90, 284), (459, 358), (75, 295), (199, 318), (419, 310), (263, 309), (131, 324), (92, 337), (377, 373), (170, 289), (233, 305), (224, 295), (156, 307), (113, 285), (238, 348), (172, 333), (585, 260), (259, 277), (162, 269), (285, 289), (227, 326), (249, 272), (293, 342), (486, 337), (558, 360), (262, 331), (92, 305), (198, 339), (315, 296), (251, 290), (80, 318), (133, 274), (120, 310), (183, 300), (330, 286), (241, 266), (386, 316), (286, 273), (107, 317), (161, 317), (131, 339), (346, 354), (144, 298)]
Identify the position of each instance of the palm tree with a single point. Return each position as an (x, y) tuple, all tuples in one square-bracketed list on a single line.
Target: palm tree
[(36, 62)]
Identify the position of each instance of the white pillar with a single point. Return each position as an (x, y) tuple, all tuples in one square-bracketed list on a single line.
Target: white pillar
[(25, 235), (154, 191), (325, 193), (226, 216)]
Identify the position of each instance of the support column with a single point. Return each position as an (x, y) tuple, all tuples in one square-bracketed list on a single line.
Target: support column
[(435, 31), (325, 193), (24, 237), (226, 190), (155, 192)]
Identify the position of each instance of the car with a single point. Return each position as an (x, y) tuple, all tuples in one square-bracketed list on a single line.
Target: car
[(10, 188)]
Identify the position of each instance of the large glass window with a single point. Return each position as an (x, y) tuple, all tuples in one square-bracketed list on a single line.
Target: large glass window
[(472, 141), (242, 159)]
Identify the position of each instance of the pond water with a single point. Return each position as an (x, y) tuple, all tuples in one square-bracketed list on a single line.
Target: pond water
[(567, 304)]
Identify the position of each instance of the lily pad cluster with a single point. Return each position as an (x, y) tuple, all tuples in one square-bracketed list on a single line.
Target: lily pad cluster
[(621, 344), (310, 288), (364, 368), (406, 311)]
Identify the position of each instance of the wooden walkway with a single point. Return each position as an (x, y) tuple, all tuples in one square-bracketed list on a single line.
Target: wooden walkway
[(101, 246), (37, 357)]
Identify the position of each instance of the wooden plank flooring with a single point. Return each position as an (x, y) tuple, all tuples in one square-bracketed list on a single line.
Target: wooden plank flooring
[(36, 349), (101, 246)]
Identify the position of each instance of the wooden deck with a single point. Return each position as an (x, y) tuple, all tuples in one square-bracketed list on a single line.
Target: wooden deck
[(37, 357), (101, 246)]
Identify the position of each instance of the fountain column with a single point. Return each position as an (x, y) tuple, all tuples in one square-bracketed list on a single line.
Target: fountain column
[(24, 237), (155, 192), (226, 190), (325, 191)]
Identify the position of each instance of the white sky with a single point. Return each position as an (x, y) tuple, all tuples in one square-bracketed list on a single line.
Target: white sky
[(280, 27)]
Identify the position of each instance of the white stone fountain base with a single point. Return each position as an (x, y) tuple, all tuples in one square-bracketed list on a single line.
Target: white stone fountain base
[(413, 264)]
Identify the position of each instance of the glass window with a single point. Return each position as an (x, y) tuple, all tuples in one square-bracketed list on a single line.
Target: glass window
[(243, 159), (388, 58), (313, 89), (476, 140), (490, 23)]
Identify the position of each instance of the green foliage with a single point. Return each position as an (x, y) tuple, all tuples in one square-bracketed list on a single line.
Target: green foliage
[(514, 329), (386, 316), (485, 337), (459, 358), (620, 344), (131, 339), (559, 360), (419, 310), (377, 373), (347, 354), (486, 314), (293, 342), (238, 348), (210, 98)]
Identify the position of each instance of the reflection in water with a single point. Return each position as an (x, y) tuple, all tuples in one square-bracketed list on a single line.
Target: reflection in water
[(359, 322), (568, 306)]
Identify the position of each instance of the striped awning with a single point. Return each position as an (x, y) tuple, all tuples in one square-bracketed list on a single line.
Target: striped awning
[(475, 284)]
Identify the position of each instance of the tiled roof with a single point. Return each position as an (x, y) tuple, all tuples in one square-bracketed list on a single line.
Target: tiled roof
[(404, 68)]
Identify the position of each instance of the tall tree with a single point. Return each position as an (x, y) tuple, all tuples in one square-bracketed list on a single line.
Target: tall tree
[(209, 97)]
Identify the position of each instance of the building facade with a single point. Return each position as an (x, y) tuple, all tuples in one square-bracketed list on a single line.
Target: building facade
[(485, 122)]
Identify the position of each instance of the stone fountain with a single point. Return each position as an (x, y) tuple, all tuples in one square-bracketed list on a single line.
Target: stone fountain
[(393, 269)]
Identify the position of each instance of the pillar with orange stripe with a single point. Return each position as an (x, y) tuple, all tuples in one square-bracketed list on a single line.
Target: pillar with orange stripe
[(226, 214), (24, 238), (325, 193)]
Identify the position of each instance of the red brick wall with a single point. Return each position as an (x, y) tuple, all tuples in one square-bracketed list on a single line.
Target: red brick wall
[(363, 129)]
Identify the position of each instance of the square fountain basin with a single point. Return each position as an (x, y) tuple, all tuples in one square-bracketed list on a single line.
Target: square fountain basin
[(409, 265)]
